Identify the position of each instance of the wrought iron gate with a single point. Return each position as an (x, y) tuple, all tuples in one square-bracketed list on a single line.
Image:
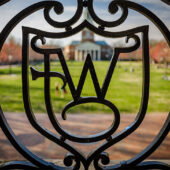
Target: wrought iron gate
[(75, 158)]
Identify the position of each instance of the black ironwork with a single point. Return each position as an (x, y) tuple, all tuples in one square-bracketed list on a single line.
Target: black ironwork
[(34, 162), (2, 2), (166, 1)]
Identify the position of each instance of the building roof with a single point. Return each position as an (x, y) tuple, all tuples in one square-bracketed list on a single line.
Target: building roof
[(75, 43), (101, 42), (97, 42)]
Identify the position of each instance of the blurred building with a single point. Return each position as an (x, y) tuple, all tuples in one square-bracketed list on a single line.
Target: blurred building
[(78, 50), (160, 53)]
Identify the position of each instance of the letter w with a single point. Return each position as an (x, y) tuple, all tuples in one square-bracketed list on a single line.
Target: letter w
[(76, 93)]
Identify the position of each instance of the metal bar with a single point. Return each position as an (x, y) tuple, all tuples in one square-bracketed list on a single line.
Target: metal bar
[(75, 158)]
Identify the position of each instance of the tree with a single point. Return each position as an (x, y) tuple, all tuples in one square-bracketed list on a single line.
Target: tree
[(11, 48)]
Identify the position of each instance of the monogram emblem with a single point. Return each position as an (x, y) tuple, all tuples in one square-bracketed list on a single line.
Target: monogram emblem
[(76, 92), (30, 36)]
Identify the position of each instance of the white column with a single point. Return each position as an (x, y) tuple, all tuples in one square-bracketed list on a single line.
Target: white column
[(85, 53), (76, 55), (90, 52), (81, 55), (99, 55), (92, 55)]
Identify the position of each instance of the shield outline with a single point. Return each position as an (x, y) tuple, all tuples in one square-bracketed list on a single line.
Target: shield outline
[(145, 91), (27, 11)]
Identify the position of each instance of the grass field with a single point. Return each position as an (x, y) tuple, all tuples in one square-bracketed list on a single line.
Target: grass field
[(124, 91)]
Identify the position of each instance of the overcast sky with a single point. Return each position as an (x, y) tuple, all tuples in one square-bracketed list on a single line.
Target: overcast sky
[(36, 20)]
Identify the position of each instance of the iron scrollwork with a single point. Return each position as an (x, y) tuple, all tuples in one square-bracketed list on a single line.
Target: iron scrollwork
[(75, 158), (2, 2)]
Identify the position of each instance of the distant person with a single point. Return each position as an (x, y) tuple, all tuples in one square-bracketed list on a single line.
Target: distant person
[(63, 92), (56, 89), (132, 69)]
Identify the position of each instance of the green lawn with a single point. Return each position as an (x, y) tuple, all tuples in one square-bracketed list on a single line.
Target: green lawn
[(124, 91)]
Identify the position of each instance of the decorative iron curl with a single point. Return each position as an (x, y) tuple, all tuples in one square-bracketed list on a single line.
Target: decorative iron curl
[(40, 50), (104, 158), (35, 47), (59, 9), (68, 161), (131, 48), (113, 9), (149, 15)]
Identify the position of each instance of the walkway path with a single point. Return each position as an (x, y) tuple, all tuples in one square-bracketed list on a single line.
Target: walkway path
[(82, 124)]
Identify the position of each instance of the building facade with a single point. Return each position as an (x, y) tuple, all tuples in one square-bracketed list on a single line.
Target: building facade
[(78, 50)]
